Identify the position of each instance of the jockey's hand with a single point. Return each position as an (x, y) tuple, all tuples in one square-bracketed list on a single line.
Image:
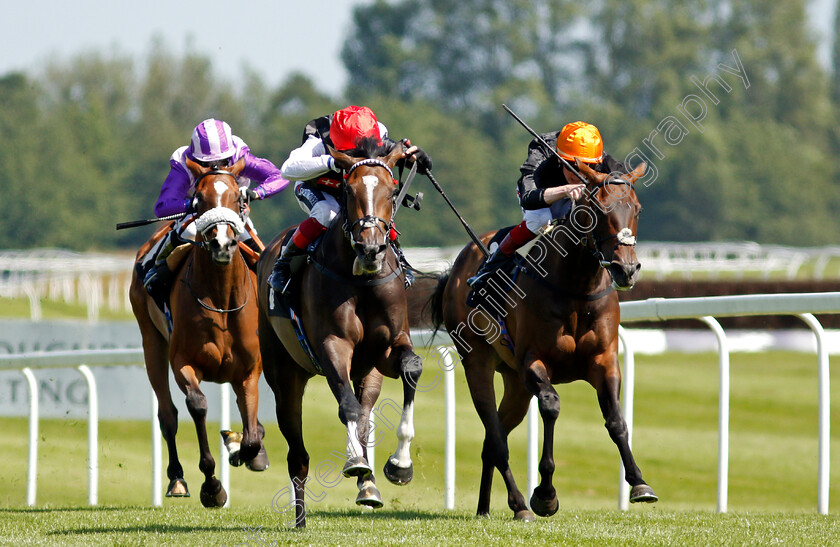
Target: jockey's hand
[(424, 161), (250, 194), (571, 191)]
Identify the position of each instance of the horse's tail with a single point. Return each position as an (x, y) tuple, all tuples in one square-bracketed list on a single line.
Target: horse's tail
[(435, 303)]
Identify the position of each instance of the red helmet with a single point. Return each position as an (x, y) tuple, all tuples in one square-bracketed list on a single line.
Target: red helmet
[(351, 123)]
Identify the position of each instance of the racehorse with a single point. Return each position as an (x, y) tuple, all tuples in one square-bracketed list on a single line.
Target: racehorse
[(352, 309), (562, 316), (213, 305)]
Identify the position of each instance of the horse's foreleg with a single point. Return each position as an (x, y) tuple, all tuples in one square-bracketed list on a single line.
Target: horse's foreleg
[(212, 492), (367, 392), (337, 355), (608, 389), (544, 497), (494, 454), (399, 468)]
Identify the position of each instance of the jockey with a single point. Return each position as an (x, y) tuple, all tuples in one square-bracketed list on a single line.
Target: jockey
[(547, 187), (318, 181), (213, 145)]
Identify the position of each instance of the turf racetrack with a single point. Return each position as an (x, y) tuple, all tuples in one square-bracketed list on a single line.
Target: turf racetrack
[(772, 479)]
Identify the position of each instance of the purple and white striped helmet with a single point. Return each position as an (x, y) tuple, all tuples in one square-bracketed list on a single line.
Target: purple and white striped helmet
[(212, 140)]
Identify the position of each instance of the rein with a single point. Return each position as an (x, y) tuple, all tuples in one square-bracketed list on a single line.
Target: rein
[(624, 236), (210, 308)]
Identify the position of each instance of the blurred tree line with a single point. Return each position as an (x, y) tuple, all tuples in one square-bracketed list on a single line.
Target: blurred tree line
[(724, 97)]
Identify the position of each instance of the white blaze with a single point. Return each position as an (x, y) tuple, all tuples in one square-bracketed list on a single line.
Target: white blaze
[(370, 183)]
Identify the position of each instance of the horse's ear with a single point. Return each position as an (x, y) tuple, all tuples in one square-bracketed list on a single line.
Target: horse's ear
[(341, 159), (195, 168), (589, 173), (396, 154), (638, 172), (237, 167)]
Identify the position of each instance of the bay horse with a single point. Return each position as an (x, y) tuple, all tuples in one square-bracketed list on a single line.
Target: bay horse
[(213, 305), (562, 316), (352, 308)]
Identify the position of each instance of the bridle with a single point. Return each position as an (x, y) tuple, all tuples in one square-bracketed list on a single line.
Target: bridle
[(368, 221), (209, 220), (624, 236), (219, 215)]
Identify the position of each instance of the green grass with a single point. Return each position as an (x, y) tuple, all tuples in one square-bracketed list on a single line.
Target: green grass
[(772, 490)]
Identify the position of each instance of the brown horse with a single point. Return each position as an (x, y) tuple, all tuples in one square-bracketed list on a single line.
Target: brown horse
[(352, 305), (213, 305), (562, 316)]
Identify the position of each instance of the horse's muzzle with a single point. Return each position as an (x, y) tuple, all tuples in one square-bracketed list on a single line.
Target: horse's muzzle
[(222, 251), (624, 274), (369, 258)]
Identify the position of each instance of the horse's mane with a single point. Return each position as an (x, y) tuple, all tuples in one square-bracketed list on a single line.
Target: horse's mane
[(368, 147)]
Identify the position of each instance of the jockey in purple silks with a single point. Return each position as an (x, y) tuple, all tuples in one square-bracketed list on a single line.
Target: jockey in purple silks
[(213, 145)]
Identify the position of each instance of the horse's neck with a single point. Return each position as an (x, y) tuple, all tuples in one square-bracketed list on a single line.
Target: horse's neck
[(219, 280), (578, 270)]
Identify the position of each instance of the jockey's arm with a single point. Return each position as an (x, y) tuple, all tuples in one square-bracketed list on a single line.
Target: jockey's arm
[(265, 173), (174, 192), (308, 161)]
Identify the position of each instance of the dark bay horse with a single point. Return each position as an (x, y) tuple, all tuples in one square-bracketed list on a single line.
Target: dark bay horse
[(213, 305), (352, 305), (562, 316)]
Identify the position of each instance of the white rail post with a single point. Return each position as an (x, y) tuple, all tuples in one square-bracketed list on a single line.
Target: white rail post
[(723, 414), (824, 413), (32, 469), (157, 498), (628, 386), (93, 435), (449, 449), (224, 423), (533, 445)]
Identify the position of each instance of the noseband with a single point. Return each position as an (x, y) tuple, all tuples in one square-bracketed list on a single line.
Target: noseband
[(367, 221), (624, 236), (220, 215)]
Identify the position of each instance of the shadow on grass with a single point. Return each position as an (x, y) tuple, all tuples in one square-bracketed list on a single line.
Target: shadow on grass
[(396, 514), (25, 510), (150, 528)]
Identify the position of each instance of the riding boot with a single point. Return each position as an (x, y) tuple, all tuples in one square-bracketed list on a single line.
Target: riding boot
[(159, 277), (495, 261), (282, 272), (518, 236)]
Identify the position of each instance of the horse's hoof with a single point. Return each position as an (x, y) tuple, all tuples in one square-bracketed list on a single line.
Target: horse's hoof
[(544, 506), (260, 461), (213, 494), (233, 442), (643, 493), (523, 515), (369, 497), (177, 489), (398, 475), (357, 467)]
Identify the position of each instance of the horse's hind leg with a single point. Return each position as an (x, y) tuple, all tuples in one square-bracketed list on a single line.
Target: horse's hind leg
[(287, 381), (479, 367), (544, 498), (399, 468), (251, 449), (608, 387), (212, 492)]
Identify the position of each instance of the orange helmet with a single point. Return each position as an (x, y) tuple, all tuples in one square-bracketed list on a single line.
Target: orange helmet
[(580, 140)]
